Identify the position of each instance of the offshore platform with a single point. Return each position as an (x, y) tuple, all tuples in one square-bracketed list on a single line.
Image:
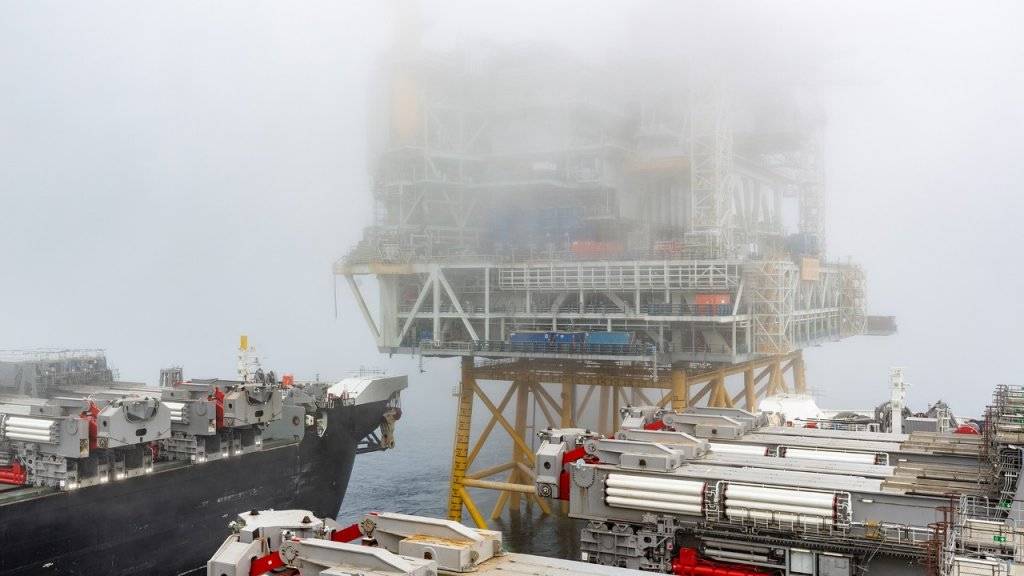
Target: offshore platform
[(586, 237)]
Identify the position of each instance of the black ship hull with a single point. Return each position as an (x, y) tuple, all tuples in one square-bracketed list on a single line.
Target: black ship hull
[(170, 522)]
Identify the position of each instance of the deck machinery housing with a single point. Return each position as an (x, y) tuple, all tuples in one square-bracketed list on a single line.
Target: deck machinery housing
[(381, 544), (737, 487)]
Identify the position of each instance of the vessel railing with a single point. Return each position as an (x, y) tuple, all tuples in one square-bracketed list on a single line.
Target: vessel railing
[(49, 354), (640, 350), (566, 348), (598, 309)]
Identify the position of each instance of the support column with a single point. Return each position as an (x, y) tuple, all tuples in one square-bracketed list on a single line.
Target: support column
[(748, 390), (775, 378), (518, 457), (487, 304), (616, 404), (568, 401), (603, 419), (719, 394), (799, 373), (457, 495), (680, 389), (436, 288)]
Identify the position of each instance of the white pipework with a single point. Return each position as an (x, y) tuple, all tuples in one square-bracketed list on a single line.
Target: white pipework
[(12, 430), (29, 429), (640, 504), (23, 422), (744, 449), (654, 494), (177, 410), (783, 505), (830, 455), (655, 484), (26, 430), (28, 438), (822, 500), (659, 496), (777, 507)]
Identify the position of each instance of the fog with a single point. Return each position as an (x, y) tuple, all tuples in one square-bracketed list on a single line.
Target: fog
[(176, 174)]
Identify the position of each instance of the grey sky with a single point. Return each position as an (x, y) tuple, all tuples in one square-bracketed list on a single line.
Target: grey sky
[(174, 174)]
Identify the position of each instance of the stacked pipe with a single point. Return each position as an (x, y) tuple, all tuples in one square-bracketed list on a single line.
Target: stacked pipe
[(802, 453), (829, 455), (743, 449), (654, 494), (177, 411), (1013, 424), (29, 429), (784, 505)]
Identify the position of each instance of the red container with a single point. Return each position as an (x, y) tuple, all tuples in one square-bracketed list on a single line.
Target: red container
[(593, 249), (712, 299)]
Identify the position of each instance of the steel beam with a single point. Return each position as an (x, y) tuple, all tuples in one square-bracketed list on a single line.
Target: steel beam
[(363, 308)]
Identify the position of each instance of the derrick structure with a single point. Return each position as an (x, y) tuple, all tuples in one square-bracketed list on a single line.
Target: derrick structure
[(585, 238)]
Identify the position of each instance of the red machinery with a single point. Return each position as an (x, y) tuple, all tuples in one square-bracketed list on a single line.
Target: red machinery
[(89, 415), (689, 563), (967, 429), (15, 474)]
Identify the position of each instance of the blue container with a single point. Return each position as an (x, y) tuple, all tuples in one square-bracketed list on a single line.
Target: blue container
[(568, 337), (528, 338), (602, 338)]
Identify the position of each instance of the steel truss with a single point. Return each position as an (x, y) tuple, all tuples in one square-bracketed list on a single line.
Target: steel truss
[(569, 394), (470, 309)]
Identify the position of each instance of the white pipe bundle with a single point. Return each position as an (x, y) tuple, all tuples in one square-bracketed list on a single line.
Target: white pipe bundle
[(29, 429), (23, 422), (831, 455), (776, 507), (658, 494), (653, 505), (745, 449), (823, 500), (177, 410), (785, 505)]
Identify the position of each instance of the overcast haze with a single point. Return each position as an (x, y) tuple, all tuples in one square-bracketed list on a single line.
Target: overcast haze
[(175, 174)]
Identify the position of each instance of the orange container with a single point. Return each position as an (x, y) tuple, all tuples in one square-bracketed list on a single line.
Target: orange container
[(710, 299)]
